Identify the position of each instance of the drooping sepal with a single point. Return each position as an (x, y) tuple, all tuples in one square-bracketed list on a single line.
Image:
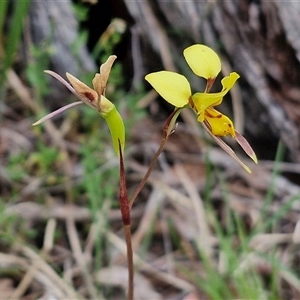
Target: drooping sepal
[(226, 148), (246, 146)]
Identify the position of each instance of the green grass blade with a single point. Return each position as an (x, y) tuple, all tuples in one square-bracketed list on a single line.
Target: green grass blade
[(20, 10), (3, 10), (271, 190)]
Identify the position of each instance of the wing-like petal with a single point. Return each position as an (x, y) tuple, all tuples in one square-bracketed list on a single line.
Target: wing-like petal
[(229, 81), (203, 101), (173, 87), (203, 61)]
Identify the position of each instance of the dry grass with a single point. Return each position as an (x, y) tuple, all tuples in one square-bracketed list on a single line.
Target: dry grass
[(181, 222)]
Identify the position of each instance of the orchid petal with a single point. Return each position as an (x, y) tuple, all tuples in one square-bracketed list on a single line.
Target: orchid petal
[(105, 71), (220, 124), (97, 84), (226, 148), (229, 81), (202, 101), (246, 147), (63, 81), (56, 112), (84, 92), (71, 89), (173, 87), (203, 61)]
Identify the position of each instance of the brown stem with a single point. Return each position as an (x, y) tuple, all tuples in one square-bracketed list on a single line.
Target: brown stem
[(169, 128), (125, 212), (150, 168), (127, 230), (209, 83), (125, 206)]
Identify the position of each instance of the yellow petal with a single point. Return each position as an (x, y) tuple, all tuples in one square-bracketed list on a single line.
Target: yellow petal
[(173, 87), (203, 61), (220, 124), (229, 81), (202, 101)]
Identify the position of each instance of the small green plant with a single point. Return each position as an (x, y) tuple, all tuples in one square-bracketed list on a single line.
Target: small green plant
[(40, 57), (100, 198), (9, 41)]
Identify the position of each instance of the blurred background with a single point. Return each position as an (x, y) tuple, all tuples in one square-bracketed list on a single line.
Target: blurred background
[(202, 227)]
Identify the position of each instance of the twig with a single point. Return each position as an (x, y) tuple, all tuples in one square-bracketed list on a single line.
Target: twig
[(79, 257), (142, 265), (203, 239), (48, 273)]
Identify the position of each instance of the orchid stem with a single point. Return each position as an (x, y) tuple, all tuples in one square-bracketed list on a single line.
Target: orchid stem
[(127, 231), (125, 212), (126, 205), (169, 128), (150, 168)]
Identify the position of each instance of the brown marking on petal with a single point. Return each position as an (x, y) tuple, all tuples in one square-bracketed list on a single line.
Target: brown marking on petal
[(209, 84), (208, 114), (90, 96), (191, 103), (211, 116)]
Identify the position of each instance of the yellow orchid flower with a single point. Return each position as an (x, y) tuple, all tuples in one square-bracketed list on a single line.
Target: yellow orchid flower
[(94, 98), (176, 90)]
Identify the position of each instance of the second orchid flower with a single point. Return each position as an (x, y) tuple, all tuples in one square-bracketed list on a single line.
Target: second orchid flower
[(176, 90)]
